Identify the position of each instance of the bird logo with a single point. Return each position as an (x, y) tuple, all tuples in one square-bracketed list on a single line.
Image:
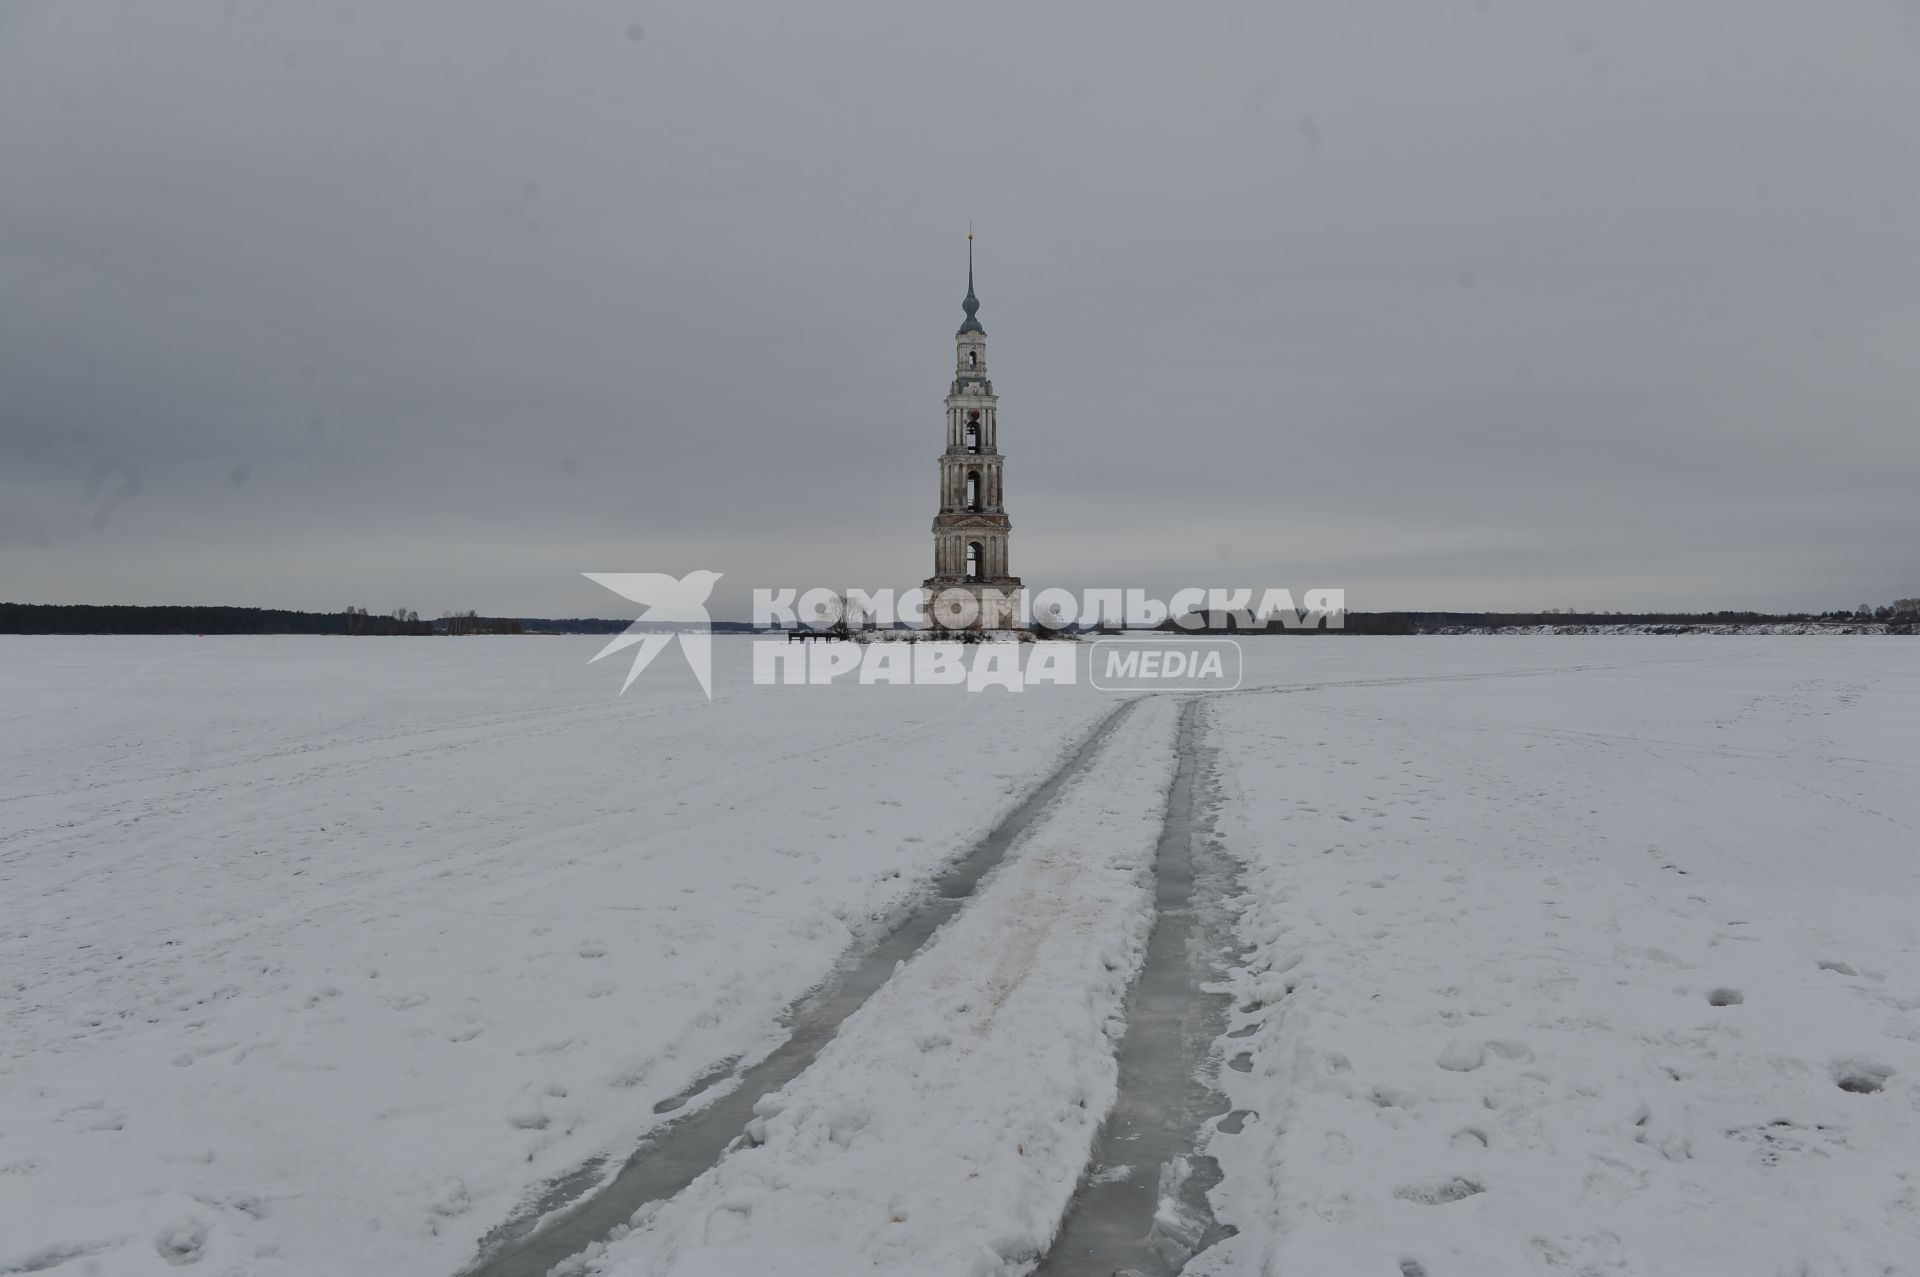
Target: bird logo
[(664, 600)]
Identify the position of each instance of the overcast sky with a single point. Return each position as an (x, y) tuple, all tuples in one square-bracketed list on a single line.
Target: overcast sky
[(1478, 304)]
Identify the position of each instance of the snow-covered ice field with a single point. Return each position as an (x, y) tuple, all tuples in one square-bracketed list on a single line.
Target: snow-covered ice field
[(1558, 955), (1572, 973)]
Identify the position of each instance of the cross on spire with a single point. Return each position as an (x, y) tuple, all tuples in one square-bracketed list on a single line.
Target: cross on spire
[(972, 304)]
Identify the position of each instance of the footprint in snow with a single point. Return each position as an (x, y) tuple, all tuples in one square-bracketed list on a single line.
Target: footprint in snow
[(184, 1242), (528, 1118), (1782, 1141), (451, 1198), (1860, 1077), (95, 1116), (1439, 1192)]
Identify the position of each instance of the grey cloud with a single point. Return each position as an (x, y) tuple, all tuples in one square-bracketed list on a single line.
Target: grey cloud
[(1452, 304)]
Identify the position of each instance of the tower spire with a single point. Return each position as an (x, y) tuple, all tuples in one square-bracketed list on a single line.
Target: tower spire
[(972, 304)]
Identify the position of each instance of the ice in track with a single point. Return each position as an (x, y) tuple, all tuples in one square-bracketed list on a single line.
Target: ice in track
[(944, 1130), (1143, 1207)]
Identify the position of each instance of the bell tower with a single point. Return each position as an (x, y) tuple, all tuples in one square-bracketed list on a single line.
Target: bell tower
[(970, 532)]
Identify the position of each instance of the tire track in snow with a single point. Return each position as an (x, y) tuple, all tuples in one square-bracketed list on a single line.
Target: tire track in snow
[(567, 1220), (1111, 1218), (943, 1130), (1142, 1205)]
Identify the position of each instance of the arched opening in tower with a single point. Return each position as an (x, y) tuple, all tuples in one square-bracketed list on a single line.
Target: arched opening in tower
[(973, 491), (976, 554)]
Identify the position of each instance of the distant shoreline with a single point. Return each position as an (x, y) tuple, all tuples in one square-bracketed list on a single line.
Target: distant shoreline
[(107, 619)]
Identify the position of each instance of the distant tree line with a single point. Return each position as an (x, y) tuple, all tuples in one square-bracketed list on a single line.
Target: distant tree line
[(573, 625), (605, 625), (474, 623), (1903, 613), (1900, 616), (91, 618), (1355, 623)]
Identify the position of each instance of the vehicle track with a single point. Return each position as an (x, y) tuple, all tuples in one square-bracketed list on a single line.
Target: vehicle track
[(1147, 1169), (1142, 1204), (573, 1214), (1142, 1209)]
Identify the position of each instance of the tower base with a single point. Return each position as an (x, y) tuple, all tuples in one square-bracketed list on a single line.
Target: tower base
[(994, 603)]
